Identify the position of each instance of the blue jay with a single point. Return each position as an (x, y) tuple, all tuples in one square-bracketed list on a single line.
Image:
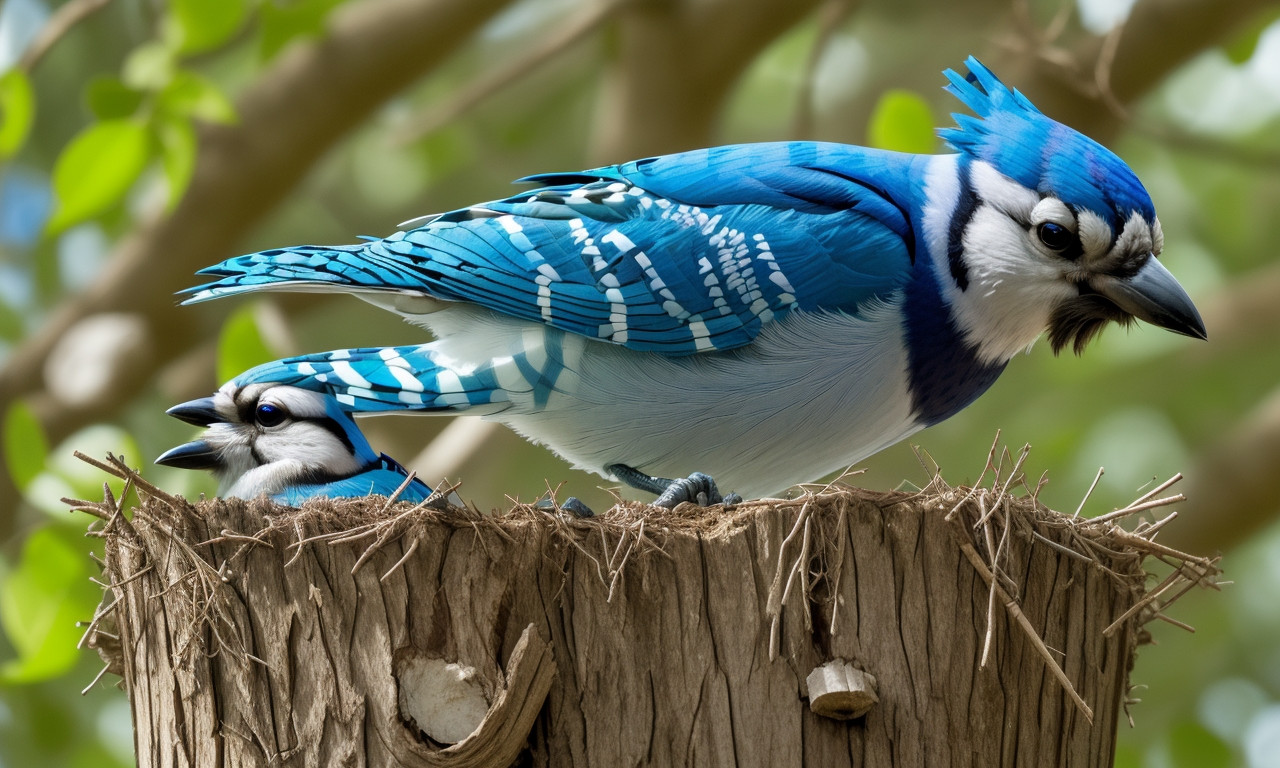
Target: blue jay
[(767, 313), (288, 443)]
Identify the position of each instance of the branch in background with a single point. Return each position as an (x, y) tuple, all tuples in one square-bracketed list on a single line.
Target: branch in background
[(1232, 487), (60, 23), (830, 17), (509, 72), (665, 85), (311, 96), (1252, 158), (1158, 37)]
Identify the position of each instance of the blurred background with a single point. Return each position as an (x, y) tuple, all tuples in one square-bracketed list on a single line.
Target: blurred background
[(141, 140)]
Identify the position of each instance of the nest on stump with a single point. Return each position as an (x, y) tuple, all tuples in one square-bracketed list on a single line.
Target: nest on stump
[(535, 614)]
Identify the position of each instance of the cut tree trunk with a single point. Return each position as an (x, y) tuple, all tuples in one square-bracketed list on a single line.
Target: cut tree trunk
[(338, 633)]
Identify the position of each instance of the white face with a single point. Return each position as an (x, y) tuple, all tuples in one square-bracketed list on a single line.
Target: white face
[(1027, 259), (275, 436)]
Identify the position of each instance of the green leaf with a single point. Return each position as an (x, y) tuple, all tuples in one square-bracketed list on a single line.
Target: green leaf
[(17, 111), (1241, 49), (202, 25), (177, 155), (96, 169), (109, 98), (191, 95), (25, 446), (282, 23), (240, 346), (149, 67), (902, 122), (40, 603)]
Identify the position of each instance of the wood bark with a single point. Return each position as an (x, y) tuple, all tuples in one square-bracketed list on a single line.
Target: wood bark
[(254, 635)]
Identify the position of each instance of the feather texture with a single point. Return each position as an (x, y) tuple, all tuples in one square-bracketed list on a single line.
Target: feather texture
[(765, 313)]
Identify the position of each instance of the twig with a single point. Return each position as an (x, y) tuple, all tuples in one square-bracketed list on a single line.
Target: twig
[(1088, 493), (773, 607), (59, 24), (413, 547), (85, 691), (1135, 508), (1025, 624), (1161, 488)]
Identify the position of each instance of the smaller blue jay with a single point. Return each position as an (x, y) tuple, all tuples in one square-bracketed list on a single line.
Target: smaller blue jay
[(288, 443)]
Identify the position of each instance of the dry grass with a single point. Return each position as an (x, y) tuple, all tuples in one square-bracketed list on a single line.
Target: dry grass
[(983, 518)]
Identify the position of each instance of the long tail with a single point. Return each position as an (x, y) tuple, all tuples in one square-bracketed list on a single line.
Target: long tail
[(310, 268)]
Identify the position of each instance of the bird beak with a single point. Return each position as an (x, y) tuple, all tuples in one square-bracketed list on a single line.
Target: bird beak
[(194, 455), (1153, 295), (199, 412)]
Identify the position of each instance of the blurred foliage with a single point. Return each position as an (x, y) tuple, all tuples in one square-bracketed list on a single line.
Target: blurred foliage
[(902, 122), (103, 133)]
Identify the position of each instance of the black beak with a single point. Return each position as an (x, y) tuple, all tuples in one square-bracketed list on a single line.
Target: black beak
[(1154, 296), (194, 455), (199, 412)]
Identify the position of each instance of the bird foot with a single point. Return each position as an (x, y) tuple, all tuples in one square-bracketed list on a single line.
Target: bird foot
[(698, 488), (572, 505)]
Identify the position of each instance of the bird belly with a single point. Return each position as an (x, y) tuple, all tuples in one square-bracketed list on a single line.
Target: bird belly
[(814, 393)]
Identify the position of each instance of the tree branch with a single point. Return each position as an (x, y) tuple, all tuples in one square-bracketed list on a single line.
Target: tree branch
[(568, 33), (314, 94)]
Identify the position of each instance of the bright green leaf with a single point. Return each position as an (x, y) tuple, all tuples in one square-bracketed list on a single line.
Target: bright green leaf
[(25, 446), (177, 155), (109, 98), (17, 111), (282, 23), (191, 95), (240, 346), (202, 25), (96, 169), (40, 603), (902, 122), (149, 68)]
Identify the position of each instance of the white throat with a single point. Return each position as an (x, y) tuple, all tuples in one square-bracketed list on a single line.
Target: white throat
[(1012, 288)]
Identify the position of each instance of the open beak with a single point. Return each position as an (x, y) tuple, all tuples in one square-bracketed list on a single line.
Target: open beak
[(196, 454), (199, 412), (1154, 296)]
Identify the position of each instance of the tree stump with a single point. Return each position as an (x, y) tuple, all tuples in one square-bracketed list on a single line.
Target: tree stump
[(992, 631)]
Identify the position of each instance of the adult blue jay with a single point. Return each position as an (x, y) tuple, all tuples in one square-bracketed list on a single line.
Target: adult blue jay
[(288, 443), (767, 313)]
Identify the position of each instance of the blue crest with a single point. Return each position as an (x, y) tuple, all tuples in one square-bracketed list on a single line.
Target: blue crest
[(1038, 152)]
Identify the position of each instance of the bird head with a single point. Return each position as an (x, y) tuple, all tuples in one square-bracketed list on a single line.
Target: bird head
[(1049, 230), (263, 437)]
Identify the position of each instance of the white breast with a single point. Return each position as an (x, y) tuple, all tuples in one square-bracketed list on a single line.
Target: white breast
[(813, 394)]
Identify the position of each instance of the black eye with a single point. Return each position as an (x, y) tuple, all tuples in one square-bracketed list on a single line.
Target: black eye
[(1055, 236), (268, 415)]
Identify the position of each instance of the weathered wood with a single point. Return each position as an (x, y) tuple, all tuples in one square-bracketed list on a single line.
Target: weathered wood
[(639, 638)]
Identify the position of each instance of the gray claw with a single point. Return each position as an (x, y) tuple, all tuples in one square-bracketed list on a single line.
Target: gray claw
[(572, 505)]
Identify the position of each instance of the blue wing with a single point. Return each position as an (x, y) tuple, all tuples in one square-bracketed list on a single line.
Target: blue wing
[(675, 254)]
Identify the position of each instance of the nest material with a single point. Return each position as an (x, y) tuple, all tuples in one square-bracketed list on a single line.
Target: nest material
[(984, 520)]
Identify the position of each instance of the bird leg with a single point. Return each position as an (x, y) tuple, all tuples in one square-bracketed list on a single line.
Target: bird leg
[(698, 488)]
